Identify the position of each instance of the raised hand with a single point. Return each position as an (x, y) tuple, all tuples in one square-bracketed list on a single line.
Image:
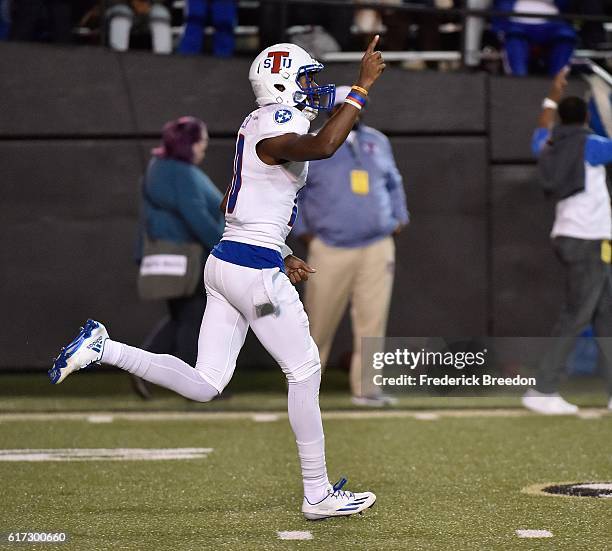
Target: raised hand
[(372, 65), (559, 84)]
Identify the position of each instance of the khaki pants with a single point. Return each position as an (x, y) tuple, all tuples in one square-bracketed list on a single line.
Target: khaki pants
[(363, 275)]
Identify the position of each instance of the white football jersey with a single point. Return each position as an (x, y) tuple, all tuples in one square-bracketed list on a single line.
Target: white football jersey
[(262, 203)]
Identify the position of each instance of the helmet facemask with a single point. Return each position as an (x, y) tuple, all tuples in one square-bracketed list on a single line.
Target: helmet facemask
[(311, 97)]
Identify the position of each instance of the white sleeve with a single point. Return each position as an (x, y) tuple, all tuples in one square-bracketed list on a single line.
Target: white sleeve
[(285, 250), (276, 121)]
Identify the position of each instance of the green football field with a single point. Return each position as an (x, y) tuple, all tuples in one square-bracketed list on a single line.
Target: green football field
[(449, 474)]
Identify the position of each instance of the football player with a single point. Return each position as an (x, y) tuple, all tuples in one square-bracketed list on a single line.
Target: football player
[(249, 273)]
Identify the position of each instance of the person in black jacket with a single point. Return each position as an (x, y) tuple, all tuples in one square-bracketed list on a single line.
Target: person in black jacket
[(572, 162)]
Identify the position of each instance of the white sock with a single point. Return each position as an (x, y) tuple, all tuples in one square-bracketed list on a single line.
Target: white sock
[(111, 352), (305, 420), (160, 369)]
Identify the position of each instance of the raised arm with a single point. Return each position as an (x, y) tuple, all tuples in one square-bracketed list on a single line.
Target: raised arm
[(546, 120), (555, 95), (309, 147)]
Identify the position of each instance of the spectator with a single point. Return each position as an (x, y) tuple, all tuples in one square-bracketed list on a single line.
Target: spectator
[(473, 33), (338, 27), (223, 15), (572, 164), (181, 205), (42, 21), (123, 14), (314, 39), (5, 19), (519, 34), (351, 206), (369, 21)]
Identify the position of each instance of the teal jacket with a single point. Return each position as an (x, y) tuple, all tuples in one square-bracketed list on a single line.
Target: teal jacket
[(181, 204)]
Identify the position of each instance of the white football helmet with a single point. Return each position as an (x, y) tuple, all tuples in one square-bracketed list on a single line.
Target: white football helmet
[(275, 77)]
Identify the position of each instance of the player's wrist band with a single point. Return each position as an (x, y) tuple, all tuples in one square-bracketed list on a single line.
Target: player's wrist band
[(549, 104), (359, 90), (355, 99)]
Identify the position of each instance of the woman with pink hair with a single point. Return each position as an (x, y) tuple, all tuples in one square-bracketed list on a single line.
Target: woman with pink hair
[(180, 205)]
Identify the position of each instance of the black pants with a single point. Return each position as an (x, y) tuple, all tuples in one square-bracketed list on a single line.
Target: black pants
[(588, 301), (178, 333)]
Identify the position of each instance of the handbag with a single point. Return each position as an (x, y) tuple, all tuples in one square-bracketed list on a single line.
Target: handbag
[(168, 269)]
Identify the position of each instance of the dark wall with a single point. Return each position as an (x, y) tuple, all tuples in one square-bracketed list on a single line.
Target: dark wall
[(515, 105), (441, 258), (68, 228), (76, 128), (526, 279)]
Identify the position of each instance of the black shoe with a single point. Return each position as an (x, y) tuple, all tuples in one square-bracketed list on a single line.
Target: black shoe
[(140, 387)]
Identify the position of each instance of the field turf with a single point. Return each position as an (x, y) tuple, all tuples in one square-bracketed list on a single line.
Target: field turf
[(450, 482)]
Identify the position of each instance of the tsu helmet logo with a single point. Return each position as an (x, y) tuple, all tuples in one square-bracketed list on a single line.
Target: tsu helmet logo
[(282, 116), (276, 60)]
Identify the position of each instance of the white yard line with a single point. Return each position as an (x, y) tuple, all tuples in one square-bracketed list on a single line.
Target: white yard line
[(265, 417), (590, 414), (295, 535), (269, 415), (103, 454), (99, 419), (427, 416), (534, 534)]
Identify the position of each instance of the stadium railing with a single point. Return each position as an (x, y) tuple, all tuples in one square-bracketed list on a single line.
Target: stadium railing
[(459, 14)]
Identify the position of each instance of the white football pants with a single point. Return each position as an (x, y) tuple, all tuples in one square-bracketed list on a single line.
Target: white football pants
[(265, 300)]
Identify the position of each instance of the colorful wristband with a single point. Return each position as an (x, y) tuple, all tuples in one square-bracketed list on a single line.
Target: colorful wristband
[(355, 99), (360, 90)]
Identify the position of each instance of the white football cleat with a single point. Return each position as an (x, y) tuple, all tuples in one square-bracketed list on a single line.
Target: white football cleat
[(338, 503), (547, 404), (610, 405), (83, 351)]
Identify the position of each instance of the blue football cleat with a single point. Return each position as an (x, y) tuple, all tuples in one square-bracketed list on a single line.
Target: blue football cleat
[(83, 351)]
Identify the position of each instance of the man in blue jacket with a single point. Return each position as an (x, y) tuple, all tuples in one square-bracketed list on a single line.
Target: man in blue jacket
[(349, 210), (572, 164)]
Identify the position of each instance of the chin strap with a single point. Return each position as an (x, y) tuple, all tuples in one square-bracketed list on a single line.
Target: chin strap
[(307, 111)]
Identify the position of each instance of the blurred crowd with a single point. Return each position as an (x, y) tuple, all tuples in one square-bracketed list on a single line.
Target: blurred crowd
[(225, 27)]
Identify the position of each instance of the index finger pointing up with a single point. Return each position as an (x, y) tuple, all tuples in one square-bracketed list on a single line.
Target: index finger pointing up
[(372, 44)]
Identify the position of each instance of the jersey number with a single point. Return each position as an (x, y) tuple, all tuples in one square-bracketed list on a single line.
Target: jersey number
[(237, 179)]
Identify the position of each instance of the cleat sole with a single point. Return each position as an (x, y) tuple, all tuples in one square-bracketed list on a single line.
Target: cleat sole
[(315, 517)]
